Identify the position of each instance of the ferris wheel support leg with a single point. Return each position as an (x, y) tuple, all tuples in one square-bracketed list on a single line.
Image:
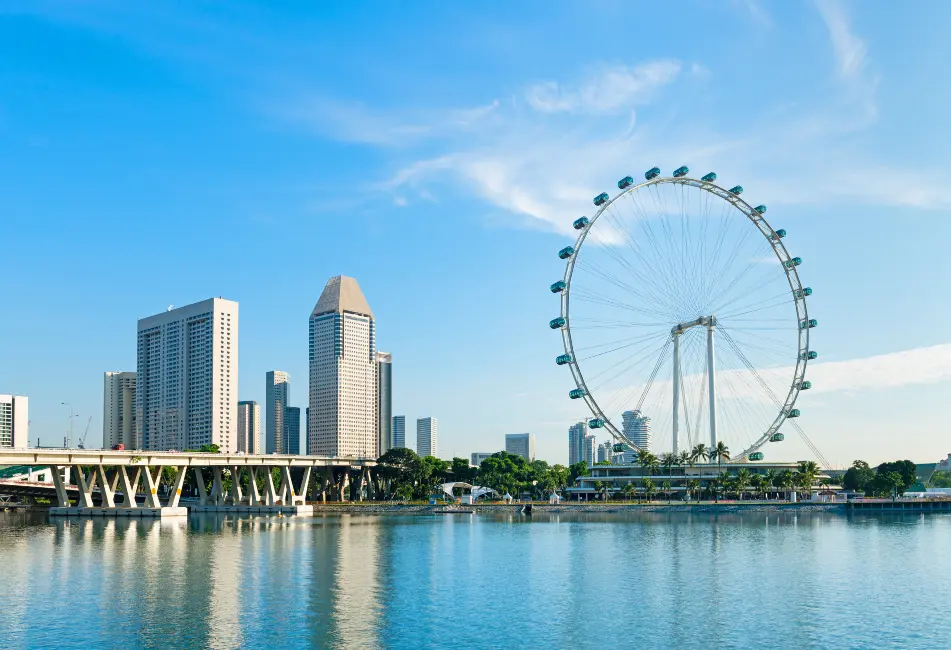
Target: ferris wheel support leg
[(712, 385), (676, 420)]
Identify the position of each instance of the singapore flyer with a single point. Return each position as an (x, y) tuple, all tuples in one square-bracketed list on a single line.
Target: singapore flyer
[(684, 319)]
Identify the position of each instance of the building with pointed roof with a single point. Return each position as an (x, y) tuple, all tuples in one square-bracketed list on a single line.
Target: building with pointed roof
[(342, 397)]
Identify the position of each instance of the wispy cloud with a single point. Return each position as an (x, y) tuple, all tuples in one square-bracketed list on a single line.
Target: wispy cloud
[(850, 50)]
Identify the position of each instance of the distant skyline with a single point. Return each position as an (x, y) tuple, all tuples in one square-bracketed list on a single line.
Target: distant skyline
[(161, 154)]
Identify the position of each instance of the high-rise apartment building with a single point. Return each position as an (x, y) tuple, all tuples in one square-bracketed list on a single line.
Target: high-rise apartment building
[(343, 384), (589, 449), (637, 428), (576, 434), (14, 421), (521, 444), (277, 387), (605, 452), (187, 377), (292, 430), (426, 429), (399, 431), (384, 392), (249, 427), (118, 410)]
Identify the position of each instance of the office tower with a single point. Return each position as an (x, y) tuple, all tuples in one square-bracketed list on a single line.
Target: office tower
[(576, 434), (118, 410), (637, 428), (249, 427), (384, 391), (292, 430), (342, 396), (590, 449), (399, 431), (14, 421), (187, 377), (479, 456), (277, 393), (605, 452), (426, 436), (306, 426), (521, 444)]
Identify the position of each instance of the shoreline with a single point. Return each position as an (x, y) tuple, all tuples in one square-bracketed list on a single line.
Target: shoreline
[(546, 508)]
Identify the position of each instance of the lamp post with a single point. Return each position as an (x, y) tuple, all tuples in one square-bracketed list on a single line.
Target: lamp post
[(71, 416)]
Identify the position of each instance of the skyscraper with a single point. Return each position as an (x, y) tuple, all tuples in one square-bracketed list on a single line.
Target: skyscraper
[(249, 427), (637, 428), (14, 421), (426, 436), (605, 451), (399, 431), (475, 460), (384, 391), (342, 399), (118, 410), (590, 449), (277, 393), (521, 444), (187, 377), (292, 430), (576, 434)]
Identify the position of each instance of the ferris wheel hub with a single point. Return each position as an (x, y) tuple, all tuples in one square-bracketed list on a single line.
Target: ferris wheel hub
[(706, 321)]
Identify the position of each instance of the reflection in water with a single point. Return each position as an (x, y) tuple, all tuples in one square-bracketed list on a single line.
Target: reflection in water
[(493, 580)]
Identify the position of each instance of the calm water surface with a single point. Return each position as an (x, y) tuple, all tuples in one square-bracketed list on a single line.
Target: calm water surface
[(673, 580)]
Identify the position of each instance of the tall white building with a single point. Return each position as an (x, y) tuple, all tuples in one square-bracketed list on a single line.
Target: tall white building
[(384, 391), (249, 427), (399, 431), (606, 452), (521, 444), (426, 429), (478, 456), (187, 383), (118, 410), (343, 384), (589, 449), (576, 434), (637, 428), (14, 421), (277, 390)]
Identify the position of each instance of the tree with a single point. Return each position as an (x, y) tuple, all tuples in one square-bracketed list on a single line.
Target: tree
[(401, 469), (628, 489), (666, 487), (887, 484), (577, 469), (905, 468), (858, 476), (461, 471), (940, 480), (769, 479), (699, 453), (784, 480), (667, 461), (742, 481), (648, 485), (720, 452), (694, 486)]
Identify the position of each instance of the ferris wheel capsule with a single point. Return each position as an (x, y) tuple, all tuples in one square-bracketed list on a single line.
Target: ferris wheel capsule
[(737, 190), (709, 178), (556, 323), (580, 223), (558, 287), (625, 183), (601, 199), (760, 209), (681, 171), (652, 173)]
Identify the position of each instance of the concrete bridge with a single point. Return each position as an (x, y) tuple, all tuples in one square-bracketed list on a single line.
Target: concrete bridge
[(103, 479)]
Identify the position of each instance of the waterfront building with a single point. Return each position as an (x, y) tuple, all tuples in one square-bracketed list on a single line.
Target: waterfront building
[(292, 430), (426, 436), (384, 392), (249, 427), (14, 421), (118, 410), (399, 431), (343, 384), (589, 449), (187, 377), (521, 444), (277, 388), (479, 456), (606, 452), (637, 428), (576, 434)]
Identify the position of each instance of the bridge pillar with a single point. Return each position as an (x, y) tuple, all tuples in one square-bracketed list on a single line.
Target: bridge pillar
[(236, 497), (202, 490), (129, 488), (254, 495), (61, 498), (270, 494), (107, 492), (176, 491), (85, 483)]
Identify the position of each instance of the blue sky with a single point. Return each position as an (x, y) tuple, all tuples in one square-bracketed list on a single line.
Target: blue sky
[(164, 153)]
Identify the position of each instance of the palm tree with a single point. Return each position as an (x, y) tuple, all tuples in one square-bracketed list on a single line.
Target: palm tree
[(653, 464), (785, 481), (628, 489), (757, 482), (769, 479), (667, 461), (694, 486), (742, 481), (644, 458), (648, 488), (720, 452), (699, 453), (666, 486), (808, 470)]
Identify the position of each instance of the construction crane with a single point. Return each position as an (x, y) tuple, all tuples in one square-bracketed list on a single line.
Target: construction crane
[(82, 441)]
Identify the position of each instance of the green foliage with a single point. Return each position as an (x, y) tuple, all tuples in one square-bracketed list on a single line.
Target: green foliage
[(904, 468), (940, 480), (887, 484), (577, 469), (858, 476)]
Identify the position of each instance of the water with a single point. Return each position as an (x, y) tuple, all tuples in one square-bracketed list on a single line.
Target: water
[(675, 580)]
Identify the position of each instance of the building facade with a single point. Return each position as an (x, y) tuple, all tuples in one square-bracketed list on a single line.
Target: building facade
[(249, 427), (187, 377), (343, 385), (637, 428), (118, 410), (292, 430), (521, 444), (589, 449), (479, 456), (14, 422), (399, 431), (384, 392), (426, 430), (576, 434), (605, 452), (277, 392)]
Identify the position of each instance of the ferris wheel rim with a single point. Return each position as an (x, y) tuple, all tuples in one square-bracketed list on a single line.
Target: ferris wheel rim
[(779, 248)]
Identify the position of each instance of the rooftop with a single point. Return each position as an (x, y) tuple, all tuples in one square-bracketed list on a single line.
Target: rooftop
[(342, 294)]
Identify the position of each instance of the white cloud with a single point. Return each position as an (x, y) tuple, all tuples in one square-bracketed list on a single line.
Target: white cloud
[(850, 51), (609, 89)]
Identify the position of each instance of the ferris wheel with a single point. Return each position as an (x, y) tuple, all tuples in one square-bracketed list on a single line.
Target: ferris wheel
[(681, 304)]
